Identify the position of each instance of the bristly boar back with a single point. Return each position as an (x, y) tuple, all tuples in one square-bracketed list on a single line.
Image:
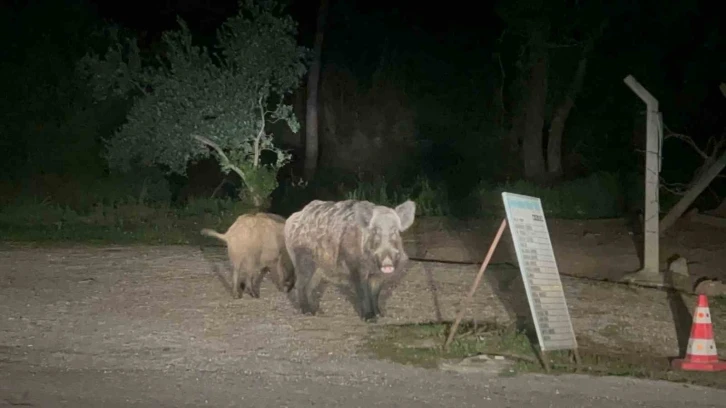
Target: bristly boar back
[(349, 240)]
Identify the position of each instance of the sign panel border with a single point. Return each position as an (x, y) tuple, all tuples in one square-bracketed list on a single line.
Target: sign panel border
[(537, 209)]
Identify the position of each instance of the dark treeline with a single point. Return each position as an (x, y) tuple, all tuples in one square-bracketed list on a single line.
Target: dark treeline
[(461, 96)]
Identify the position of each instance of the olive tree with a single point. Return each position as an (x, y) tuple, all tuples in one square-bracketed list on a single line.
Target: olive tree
[(192, 101)]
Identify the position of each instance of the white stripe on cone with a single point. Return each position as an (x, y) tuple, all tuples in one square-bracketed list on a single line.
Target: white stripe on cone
[(702, 315), (702, 347)]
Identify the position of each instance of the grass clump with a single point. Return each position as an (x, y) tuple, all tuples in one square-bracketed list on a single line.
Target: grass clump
[(138, 208), (116, 223), (431, 200), (421, 345), (600, 195)]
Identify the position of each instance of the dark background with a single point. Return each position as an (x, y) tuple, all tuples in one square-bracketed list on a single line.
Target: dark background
[(442, 61)]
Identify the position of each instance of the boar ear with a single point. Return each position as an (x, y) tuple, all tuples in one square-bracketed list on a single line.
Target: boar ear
[(406, 212)]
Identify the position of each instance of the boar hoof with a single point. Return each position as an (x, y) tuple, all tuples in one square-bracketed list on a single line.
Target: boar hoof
[(252, 292), (368, 316), (370, 319), (307, 309)]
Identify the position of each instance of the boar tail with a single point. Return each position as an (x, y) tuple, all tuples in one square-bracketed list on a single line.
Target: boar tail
[(212, 233)]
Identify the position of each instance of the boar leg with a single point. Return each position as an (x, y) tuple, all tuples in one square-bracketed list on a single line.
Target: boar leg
[(313, 284), (303, 300), (363, 290), (363, 293), (289, 282), (256, 281), (376, 285), (242, 279), (288, 273), (284, 275), (277, 275), (305, 270), (250, 279), (236, 281)]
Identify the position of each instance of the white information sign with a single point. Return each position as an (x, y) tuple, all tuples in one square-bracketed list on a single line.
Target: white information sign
[(539, 272)]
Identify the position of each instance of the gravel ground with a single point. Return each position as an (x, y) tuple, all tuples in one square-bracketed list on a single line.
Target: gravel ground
[(156, 326)]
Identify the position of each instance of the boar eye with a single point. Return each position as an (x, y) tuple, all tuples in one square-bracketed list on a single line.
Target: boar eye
[(376, 238)]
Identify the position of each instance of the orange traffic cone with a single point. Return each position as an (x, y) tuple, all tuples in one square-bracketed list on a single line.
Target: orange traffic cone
[(701, 354)]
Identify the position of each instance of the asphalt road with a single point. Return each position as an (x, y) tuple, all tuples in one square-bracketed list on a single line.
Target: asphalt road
[(338, 383)]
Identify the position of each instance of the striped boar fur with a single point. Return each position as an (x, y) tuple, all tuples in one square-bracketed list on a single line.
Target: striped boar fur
[(355, 242), (255, 246)]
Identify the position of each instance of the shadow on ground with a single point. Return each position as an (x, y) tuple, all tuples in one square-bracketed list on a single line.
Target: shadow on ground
[(682, 318)]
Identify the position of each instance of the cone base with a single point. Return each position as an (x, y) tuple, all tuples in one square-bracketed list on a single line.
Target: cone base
[(683, 364)]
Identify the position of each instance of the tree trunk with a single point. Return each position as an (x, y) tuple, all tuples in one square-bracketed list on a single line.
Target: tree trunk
[(311, 119), (532, 146), (693, 192), (557, 126), (513, 143)]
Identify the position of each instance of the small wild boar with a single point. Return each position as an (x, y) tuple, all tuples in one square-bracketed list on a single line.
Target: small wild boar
[(355, 241), (256, 245)]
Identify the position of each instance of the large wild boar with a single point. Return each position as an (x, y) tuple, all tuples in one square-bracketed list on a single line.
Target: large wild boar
[(354, 241), (256, 245)]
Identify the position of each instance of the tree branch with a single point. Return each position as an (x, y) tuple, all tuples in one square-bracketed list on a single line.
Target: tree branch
[(687, 139), (256, 160), (674, 188), (565, 45), (713, 165), (501, 88), (227, 163)]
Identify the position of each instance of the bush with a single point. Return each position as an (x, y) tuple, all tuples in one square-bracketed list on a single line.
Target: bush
[(430, 200), (146, 186), (32, 219), (193, 98), (596, 196)]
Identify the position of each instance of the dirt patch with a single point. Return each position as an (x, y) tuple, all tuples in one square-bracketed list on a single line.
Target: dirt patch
[(92, 307), (120, 326), (166, 306)]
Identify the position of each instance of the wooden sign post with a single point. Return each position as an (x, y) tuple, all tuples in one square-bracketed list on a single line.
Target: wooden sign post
[(540, 274)]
